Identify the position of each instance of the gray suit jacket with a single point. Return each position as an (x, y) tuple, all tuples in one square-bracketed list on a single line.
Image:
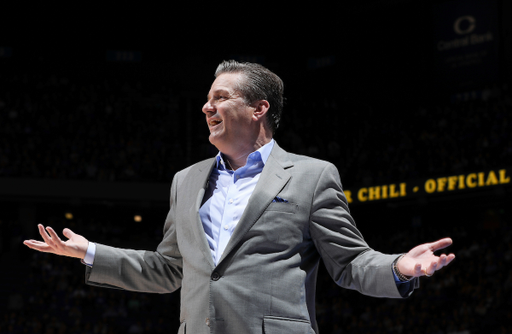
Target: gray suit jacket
[(265, 280)]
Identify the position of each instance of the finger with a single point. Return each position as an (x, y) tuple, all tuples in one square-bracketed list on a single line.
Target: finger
[(57, 242), (441, 262), (34, 243), (431, 269), (440, 244), (449, 258), (37, 245), (68, 233), (44, 235), (53, 234), (444, 260), (417, 270)]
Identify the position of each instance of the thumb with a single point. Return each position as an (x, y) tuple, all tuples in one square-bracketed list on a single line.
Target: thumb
[(68, 233), (440, 244)]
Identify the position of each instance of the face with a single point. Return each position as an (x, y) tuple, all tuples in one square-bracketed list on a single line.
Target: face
[(229, 117)]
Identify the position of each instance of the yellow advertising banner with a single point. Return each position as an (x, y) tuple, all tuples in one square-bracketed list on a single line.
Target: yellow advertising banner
[(432, 186)]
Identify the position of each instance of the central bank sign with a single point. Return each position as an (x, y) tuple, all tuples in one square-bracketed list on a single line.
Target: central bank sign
[(466, 43), (446, 184), (464, 26)]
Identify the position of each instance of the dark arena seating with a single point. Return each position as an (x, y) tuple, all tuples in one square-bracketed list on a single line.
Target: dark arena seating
[(92, 141)]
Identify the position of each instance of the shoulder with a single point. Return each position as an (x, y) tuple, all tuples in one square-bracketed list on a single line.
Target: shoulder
[(307, 160), (195, 169), (301, 161), (206, 163), (315, 171)]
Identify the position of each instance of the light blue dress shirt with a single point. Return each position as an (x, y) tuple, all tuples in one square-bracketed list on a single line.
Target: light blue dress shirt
[(226, 197)]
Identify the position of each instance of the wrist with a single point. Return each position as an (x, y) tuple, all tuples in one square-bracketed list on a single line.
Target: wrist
[(398, 273)]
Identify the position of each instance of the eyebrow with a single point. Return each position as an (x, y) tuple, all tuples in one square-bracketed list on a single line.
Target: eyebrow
[(218, 91)]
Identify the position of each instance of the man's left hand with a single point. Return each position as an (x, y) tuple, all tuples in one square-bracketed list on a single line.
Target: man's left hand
[(421, 261)]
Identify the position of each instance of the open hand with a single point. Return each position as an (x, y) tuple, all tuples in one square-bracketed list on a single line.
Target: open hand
[(421, 261), (75, 246)]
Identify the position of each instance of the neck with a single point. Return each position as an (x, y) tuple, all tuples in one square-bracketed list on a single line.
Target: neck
[(238, 158), (229, 164)]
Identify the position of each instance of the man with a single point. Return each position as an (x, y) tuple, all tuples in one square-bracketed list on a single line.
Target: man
[(246, 229)]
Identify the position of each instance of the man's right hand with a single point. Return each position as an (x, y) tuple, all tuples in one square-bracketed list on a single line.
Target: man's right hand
[(76, 246)]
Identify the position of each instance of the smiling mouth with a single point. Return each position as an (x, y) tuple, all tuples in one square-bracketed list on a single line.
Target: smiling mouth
[(214, 122)]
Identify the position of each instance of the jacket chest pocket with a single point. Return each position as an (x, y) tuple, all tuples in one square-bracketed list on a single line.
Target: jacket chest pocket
[(280, 325), (283, 224), (283, 207)]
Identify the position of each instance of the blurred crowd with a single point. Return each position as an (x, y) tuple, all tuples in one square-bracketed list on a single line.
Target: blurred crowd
[(375, 144), (103, 130), (115, 128)]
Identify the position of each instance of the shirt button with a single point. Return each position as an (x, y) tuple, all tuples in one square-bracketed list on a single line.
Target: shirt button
[(207, 321), (226, 227), (231, 201)]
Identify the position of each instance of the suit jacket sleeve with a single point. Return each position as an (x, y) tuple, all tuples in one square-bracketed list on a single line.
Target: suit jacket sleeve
[(348, 258), (157, 271)]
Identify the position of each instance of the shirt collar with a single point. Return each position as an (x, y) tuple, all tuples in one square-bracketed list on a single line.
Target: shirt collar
[(260, 154)]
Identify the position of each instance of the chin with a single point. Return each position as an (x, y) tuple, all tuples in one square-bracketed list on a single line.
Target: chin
[(215, 141)]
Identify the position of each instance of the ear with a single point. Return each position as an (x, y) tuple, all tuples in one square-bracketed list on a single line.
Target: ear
[(260, 109)]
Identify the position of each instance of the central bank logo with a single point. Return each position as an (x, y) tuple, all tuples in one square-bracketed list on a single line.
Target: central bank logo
[(464, 25)]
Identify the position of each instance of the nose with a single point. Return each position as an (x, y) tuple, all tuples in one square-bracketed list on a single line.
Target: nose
[(208, 108)]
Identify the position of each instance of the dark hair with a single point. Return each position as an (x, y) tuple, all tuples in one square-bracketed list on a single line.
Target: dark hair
[(260, 84)]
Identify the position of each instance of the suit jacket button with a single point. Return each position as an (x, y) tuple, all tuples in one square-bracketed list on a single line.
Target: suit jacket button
[(215, 276), (207, 321)]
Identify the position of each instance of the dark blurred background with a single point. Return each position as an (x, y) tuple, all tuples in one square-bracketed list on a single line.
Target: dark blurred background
[(99, 108)]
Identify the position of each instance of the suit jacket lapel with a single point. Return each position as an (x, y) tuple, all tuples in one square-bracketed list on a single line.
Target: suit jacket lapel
[(195, 183), (273, 178)]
